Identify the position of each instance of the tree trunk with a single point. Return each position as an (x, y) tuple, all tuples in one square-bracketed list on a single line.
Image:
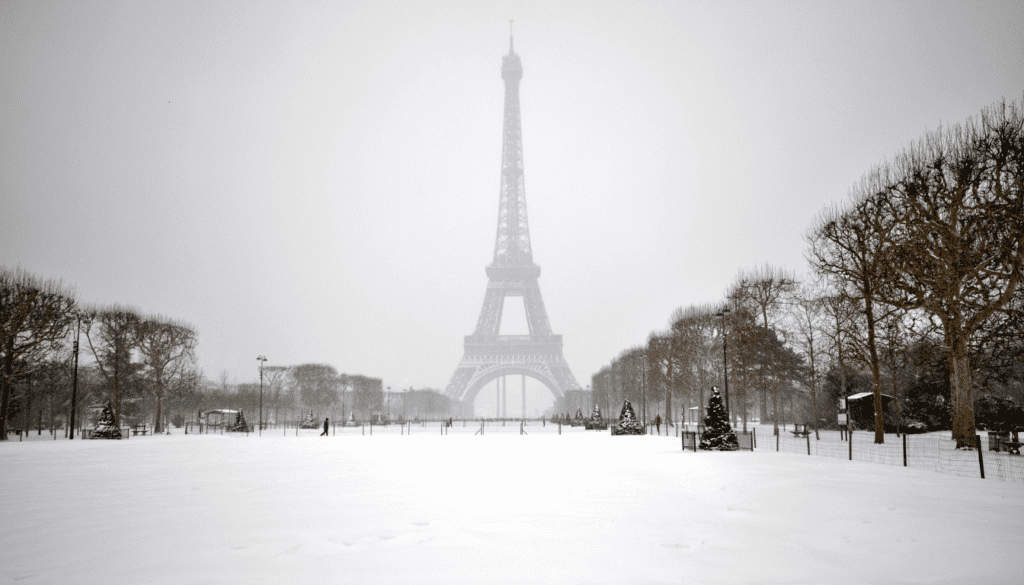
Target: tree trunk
[(28, 410), (961, 389), (876, 375), (8, 378), (158, 425), (117, 396)]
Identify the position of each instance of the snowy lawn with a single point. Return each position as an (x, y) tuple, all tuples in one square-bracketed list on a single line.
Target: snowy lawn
[(575, 508)]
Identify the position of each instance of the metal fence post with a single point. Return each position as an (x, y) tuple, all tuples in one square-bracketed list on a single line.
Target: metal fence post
[(904, 449), (849, 439), (981, 462), (808, 443), (755, 438), (776, 442)]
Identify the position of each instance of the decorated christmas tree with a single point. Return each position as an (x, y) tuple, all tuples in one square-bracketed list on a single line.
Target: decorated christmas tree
[(309, 422), (240, 425), (628, 424), (717, 435), (105, 427), (595, 422)]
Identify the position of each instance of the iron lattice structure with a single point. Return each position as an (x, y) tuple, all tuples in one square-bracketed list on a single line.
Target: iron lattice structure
[(489, 355)]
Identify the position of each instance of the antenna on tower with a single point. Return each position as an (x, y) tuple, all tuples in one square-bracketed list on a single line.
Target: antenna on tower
[(511, 43)]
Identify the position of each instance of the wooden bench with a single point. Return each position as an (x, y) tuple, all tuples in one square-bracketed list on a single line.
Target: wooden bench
[(800, 431), (136, 429), (1012, 447)]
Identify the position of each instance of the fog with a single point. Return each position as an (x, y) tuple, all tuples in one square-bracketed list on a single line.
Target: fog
[(319, 182)]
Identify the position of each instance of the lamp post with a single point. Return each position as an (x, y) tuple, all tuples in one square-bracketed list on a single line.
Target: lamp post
[(725, 357), (74, 383), (261, 359)]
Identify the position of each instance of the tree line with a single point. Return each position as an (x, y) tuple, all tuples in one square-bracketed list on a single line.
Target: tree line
[(915, 293), (43, 331), (143, 365)]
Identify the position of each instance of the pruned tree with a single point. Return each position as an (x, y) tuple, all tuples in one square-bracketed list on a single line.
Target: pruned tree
[(35, 316), (115, 330), (167, 348), (958, 252)]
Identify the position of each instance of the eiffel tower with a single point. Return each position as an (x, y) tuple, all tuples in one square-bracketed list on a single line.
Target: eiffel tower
[(488, 355)]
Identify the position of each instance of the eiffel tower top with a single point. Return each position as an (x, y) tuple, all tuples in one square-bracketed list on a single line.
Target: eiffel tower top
[(512, 243)]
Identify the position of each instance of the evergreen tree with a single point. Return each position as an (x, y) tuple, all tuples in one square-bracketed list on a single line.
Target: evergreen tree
[(106, 428), (717, 435), (309, 422), (595, 422), (578, 420), (628, 424), (240, 425)]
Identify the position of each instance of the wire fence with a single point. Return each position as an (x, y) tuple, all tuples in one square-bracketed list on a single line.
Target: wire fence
[(999, 458), (932, 451)]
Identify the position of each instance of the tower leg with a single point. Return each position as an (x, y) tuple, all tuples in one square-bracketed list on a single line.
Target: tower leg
[(524, 396), (504, 397)]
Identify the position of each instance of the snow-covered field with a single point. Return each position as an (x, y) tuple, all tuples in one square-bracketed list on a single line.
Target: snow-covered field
[(501, 508)]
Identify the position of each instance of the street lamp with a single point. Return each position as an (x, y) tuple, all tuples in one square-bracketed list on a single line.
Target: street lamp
[(260, 421), (725, 357)]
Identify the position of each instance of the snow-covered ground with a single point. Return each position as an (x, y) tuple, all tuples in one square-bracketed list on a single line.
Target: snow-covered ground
[(501, 508)]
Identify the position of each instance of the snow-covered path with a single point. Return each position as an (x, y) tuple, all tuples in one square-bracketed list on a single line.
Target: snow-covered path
[(575, 508)]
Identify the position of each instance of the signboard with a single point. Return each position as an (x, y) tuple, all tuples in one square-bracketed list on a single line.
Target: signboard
[(842, 404), (842, 418)]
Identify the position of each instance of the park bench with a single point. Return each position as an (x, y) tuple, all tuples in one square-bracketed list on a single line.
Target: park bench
[(137, 429), (800, 431)]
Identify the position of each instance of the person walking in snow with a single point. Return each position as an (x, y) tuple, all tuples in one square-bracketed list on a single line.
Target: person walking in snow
[(326, 423), (657, 423)]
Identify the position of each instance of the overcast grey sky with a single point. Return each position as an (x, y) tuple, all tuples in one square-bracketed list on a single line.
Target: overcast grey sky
[(319, 182)]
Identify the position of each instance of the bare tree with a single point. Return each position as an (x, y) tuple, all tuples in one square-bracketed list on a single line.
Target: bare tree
[(35, 316), (808, 316), (168, 351), (315, 384), (765, 291), (696, 350), (850, 248), (116, 331), (273, 377), (959, 249)]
